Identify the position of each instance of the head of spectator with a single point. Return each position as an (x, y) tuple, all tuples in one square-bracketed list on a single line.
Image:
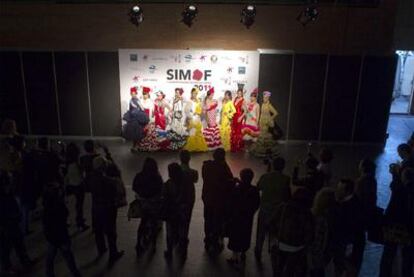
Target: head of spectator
[(72, 153), (18, 143), (43, 143), (9, 128), (89, 146), (175, 173), (279, 164), (185, 157), (6, 185), (324, 202), (150, 167), (100, 164), (219, 155), (367, 167), (404, 151), (311, 164), (325, 155), (344, 190), (303, 197), (246, 176)]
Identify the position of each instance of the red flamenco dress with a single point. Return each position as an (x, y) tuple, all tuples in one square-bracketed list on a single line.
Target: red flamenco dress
[(212, 132), (159, 114), (236, 137)]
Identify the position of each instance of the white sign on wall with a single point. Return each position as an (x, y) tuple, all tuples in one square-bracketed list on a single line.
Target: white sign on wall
[(166, 70)]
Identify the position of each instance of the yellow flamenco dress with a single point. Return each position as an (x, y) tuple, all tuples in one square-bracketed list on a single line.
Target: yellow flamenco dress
[(195, 141), (227, 112)]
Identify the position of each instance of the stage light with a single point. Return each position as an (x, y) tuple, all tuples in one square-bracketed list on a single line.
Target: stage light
[(136, 15), (189, 14), (248, 15), (309, 14)]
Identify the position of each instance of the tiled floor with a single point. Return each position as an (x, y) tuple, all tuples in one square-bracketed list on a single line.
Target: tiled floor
[(198, 264)]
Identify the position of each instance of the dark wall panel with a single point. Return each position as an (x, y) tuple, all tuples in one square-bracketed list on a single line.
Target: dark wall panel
[(341, 93), (274, 75), (41, 95), (104, 93), (72, 93), (12, 103), (375, 98), (307, 94)]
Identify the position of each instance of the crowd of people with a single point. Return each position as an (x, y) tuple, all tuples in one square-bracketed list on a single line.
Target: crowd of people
[(310, 222)]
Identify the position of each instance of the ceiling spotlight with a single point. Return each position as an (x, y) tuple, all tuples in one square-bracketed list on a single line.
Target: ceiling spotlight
[(309, 14), (189, 14), (136, 15), (248, 15)]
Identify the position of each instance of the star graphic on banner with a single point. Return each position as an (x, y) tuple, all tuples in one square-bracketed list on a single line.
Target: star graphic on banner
[(136, 78), (230, 70), (203, 58)]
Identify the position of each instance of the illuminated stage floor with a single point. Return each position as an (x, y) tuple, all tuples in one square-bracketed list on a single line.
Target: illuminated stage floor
[(198, 263)]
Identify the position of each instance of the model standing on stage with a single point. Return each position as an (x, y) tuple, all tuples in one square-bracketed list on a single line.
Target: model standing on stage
[(227, 112), (160, 107), (211, 132), (196, 141), (237, 123), (250, 129), (178, 130)]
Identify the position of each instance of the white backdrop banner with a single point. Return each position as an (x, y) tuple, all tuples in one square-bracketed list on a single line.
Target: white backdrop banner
[(166, 70)]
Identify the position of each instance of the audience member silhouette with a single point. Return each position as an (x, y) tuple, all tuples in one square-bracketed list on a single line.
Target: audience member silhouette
[(217, 181), (104, 209), (55, 228), (86, 162), (148, 186), (292, 233), (313, 180), (324, 166), (244, 200), (74, 183), (275, 189)]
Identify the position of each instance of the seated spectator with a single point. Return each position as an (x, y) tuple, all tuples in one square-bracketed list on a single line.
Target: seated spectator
[(74, 183), (55, 216), (244, 200), (104, 210), (321, 250), (324, 166), (313, 180), (348, 229), (217, 181), (291, 230), (148, 186), (11, 236), (275, 189)]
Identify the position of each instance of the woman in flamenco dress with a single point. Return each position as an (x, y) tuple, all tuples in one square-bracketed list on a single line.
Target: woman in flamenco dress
[(227, 112), (250, 128), (195, 141), (161, 107), (178, 131), (211, 132), (266, 145), (237, 123)]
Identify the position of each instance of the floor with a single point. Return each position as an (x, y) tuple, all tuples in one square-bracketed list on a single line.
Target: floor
[(198, 263), (400, 105)]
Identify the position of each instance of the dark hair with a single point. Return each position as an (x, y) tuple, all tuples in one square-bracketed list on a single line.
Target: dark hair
[(89, 146), (325, 155), (72, 153), (219, 154), (404, 148), (368, 166), (349, 185), (279, 164), (43, 143), (150, 167), (246, 175), (228, 93), (175, 172), (312, 163), (185, 156)]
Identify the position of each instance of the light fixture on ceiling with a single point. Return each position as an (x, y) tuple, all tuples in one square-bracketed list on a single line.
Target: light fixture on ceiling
[(189, 14), (136, 15), (309, 14), (248, 15)]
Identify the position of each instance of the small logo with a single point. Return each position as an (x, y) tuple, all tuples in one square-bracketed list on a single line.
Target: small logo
[(229, 69), (145, 57), (203, 58), (242, 70), (213, 59), (188, 58), (133, 57), (152, 68), (135, 79)]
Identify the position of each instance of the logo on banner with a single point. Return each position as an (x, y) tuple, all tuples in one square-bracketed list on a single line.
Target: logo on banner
[(133, 57), (213, 59), (188, 58), (152, 68), (229, 69), (203, 58), (188, 75), (135, 79), (145, 57), (242, 70)]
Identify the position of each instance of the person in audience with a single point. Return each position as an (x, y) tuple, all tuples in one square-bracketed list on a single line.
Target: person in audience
[(104, 210), (86, 161), (321, 249), (292, 233), (244, 200), (191, 178), (55, 228), (74, 183), (8, 130), (313, 180), (147, 186), (275, 189), (217, 180), (11, 236), (407, 157), (348, 229), (366, 188), (324, 166), (399, 229)]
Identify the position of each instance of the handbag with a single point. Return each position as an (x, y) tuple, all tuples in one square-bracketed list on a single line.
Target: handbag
[(135, 210)]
